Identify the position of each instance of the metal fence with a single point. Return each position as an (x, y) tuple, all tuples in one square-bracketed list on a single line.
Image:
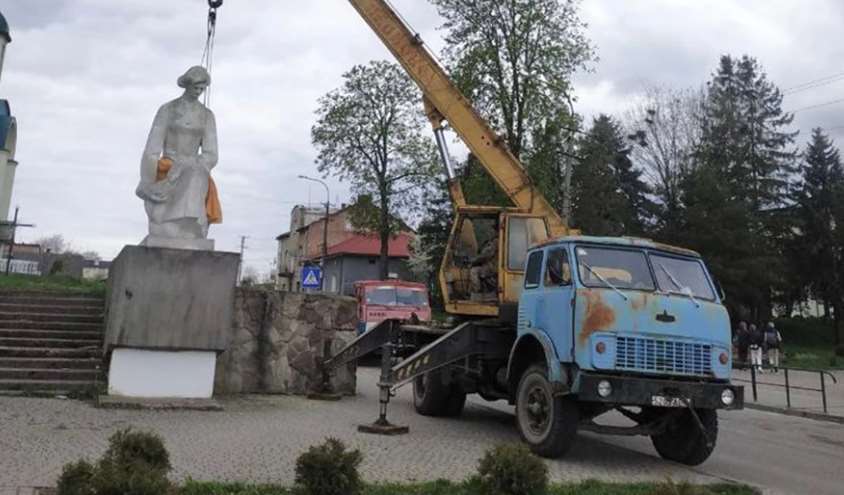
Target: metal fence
[(754, 382), (21, 266)]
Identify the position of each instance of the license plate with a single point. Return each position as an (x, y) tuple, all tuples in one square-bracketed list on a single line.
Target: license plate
[(663, 401)]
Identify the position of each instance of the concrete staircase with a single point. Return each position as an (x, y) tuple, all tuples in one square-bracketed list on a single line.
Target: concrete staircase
[(50, 343)]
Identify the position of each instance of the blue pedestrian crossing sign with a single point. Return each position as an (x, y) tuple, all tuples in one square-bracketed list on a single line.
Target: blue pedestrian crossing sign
[(311, 277)]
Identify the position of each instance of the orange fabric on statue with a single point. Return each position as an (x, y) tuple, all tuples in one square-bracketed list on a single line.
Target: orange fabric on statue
[(213, 210), (164, 166), (212, 203)]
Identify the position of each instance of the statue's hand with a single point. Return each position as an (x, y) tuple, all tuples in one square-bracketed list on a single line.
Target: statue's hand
[(153, 192), (174, 173)]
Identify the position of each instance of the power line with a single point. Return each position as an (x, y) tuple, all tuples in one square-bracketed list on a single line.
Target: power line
[(814, 86), (818, 105), (815, 83)]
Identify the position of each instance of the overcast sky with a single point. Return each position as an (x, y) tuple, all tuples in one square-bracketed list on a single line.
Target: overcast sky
[(85, 77)]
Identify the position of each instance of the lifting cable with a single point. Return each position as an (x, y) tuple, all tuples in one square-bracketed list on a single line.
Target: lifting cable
[(208, 53)]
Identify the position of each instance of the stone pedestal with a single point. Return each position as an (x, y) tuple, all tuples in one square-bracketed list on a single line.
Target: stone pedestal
[(169, 313), (172, 243)]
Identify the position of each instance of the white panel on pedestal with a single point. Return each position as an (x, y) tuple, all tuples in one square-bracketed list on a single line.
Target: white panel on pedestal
[(162, 374)]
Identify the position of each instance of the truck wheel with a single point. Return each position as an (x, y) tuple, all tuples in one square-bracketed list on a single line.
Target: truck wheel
[(546, 423), (684, 442), (432, 397)]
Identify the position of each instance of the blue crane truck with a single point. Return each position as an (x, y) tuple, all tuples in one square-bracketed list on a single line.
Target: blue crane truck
[(602, 324), (563, 326)]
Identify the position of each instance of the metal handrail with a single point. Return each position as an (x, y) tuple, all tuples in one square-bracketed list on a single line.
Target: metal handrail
[(788, 387)]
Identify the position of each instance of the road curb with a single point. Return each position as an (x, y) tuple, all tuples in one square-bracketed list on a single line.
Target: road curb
[(797, 413)]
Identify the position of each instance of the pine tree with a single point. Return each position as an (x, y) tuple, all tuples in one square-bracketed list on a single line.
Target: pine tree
[(818, 242), (770, 158), (716, 225), (747, 153), (610, 197)]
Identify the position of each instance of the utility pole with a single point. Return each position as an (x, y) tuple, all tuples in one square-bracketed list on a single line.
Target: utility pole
[(242, 249), (568, 153), (14, 225), (567, 185), (325, 225)]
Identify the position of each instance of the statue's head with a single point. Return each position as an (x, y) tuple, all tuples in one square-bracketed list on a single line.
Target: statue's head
[(194, 81)]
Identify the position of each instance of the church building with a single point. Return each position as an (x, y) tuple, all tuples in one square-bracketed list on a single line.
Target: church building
[(8, 134)]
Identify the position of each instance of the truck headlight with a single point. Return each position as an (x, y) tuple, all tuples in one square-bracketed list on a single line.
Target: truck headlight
[(604, 388), (727, 397)]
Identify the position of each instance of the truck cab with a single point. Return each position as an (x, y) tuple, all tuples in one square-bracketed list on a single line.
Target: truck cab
[(380, 300), (621, 323)]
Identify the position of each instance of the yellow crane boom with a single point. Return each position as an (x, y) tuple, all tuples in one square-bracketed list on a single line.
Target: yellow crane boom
[(442, 94)]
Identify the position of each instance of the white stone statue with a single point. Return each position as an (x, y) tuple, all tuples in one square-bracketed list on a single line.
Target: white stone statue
[(179, 196)]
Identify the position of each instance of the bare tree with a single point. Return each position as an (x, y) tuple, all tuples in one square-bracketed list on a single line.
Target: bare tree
[(91, 255), (666, 128), (54, 243), (250, 276)]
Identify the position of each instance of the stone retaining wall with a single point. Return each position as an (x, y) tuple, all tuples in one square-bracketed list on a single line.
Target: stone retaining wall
[(278, 339)]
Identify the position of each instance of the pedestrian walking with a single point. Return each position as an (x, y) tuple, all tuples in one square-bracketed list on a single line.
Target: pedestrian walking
[(756, 339), (772, 343)]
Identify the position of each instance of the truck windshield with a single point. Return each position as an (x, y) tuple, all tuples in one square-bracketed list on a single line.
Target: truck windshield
[(411, 297), (396, 296), (620, 268), (682, 276)]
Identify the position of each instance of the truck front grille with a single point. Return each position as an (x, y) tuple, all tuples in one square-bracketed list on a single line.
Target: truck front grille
[(663, 356)]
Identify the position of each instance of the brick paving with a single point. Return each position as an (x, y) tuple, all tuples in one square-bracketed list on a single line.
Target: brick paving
[(258, 438)]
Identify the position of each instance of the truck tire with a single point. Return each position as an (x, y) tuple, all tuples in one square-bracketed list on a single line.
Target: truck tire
[(547, 423), (433, 397), (684, 442)]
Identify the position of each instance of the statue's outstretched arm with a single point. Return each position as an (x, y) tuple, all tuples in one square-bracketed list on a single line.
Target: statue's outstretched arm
[(208, 158)]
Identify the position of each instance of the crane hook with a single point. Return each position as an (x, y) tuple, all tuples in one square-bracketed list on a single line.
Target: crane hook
[(213, 5)]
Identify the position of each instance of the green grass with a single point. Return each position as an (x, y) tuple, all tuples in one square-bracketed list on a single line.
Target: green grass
[(470, 488), (56, 283), (812, 357), (808, 343)]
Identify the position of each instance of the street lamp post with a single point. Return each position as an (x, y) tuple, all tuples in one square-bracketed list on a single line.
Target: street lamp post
[(324, 227)]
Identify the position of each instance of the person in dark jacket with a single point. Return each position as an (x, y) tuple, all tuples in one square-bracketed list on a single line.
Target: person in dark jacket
[(772, 343)]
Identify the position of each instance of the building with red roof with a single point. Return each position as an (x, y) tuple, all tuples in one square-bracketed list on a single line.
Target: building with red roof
[(351, 254)]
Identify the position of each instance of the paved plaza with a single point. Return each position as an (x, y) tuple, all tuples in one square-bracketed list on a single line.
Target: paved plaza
[(258, 438)]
